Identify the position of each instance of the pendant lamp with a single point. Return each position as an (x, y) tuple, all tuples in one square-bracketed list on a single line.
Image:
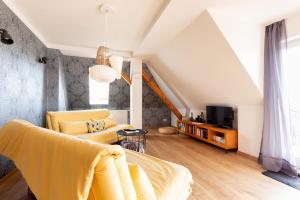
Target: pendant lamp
[(102, 71), (108, 67)]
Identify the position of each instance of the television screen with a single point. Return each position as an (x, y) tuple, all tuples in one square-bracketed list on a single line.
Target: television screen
[(220, 116)]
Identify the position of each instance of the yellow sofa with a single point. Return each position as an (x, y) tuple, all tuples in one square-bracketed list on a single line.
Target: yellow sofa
[(63, 167), (74, 123)]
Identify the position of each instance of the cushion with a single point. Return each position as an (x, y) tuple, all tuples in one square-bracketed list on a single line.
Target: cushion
[(95, 125), (141, 182), (107, 136), (74, 127), (110, 122)]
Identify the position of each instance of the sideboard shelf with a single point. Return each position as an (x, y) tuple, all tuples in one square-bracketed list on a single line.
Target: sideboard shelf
[(221, 137)]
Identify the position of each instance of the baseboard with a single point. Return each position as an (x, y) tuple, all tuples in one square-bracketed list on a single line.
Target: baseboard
[(247, 156)]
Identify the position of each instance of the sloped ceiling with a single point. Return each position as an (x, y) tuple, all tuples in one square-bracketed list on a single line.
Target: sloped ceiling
[(246, 39), (204, 52), (201, 67)]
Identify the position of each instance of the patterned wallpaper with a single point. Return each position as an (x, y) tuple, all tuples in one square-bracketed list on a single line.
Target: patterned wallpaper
[(155, 112), (22, 78), (56, 84), (52, 79), (77, 78), (62, 86)]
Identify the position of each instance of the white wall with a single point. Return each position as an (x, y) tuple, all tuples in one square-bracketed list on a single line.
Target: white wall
[(121, 116), (183, 112), (250, 123), (292, 26), (246, 39), (136, 93), (203, 69)]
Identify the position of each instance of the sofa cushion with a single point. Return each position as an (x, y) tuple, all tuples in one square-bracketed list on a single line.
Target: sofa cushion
[(110, 121), (141, 182), (74, 127), (96, 125)]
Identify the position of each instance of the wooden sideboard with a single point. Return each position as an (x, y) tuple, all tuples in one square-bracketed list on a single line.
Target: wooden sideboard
[(221, 137)]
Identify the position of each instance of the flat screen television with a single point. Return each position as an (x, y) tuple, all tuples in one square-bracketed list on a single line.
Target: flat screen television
[(220, 116)]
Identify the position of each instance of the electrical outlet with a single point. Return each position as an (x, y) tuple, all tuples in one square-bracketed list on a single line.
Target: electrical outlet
[(165, 120)]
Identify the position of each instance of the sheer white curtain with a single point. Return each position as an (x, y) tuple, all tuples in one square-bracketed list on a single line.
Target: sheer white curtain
[(276, 149), (292, 66)]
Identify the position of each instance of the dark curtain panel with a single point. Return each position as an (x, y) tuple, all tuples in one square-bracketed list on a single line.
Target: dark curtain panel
[(276, 149)]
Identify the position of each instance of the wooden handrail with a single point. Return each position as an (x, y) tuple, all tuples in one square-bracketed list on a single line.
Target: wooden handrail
[(160, 93), (126, 78)]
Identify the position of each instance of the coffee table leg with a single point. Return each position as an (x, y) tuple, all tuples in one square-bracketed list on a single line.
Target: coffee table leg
[(139, 140)]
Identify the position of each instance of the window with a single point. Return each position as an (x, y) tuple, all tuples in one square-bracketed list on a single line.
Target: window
[(292, 84), (99, 92)]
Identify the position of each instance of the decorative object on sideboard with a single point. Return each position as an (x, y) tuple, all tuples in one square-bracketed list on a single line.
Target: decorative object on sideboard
[(192, 117), (200, 118), (5, 37), (108, 67), (43, 60)]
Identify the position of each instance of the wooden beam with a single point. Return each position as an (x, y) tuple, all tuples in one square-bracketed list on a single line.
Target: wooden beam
[(162, 96), (126, 78)]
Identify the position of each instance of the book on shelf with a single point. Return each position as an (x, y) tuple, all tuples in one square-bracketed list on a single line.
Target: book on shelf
[(181, 127), (202, 133)]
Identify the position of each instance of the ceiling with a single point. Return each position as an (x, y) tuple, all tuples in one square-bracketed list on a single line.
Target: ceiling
[(203, 51), (180, 13), (76, 27), (79, 24)]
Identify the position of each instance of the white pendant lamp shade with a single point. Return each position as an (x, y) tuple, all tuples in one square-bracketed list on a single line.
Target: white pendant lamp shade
[(116, 62), (103, 73)]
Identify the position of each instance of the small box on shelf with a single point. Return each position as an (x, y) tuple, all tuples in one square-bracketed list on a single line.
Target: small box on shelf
[(220, 139)]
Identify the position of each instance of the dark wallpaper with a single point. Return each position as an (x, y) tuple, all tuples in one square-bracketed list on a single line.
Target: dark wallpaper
[(77, 78), (56, 84), (22, 78), (155, 112)]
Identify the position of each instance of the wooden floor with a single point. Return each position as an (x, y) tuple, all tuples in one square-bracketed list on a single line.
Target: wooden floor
[(217, 175)]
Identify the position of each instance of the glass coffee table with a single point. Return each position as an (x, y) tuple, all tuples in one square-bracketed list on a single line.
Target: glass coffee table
[(135, 139)]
